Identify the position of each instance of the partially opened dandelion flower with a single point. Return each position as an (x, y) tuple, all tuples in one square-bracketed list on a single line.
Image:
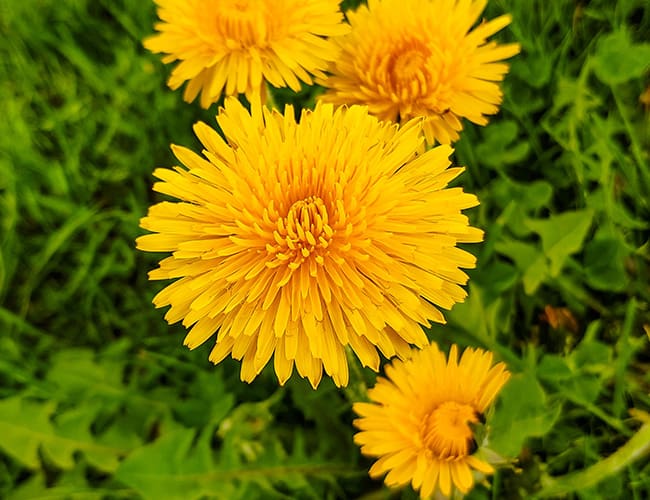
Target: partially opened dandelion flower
[(236, 45), (406, 58), (299, 239), (420, 423)]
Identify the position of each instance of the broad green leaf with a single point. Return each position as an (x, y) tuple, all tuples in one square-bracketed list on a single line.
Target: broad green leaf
[(483, 314), (604, 264), (536, 68), (73, 484), (553, 368), (24, 425), (562, 235), (618, 59), (104, 451), (592, 355), (498, 148), (69, 485), (523, 411), (599, 201), (589, 365), (497, 277), (78, 374), (26, 428), (209, 404), (529, 260), (519, 201), (529, 196), (584, 388), (178, 466), (167, 469), (33, 487), (470, 314), (526, 100)]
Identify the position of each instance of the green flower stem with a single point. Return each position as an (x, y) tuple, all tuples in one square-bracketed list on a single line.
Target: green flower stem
[(635, 448)]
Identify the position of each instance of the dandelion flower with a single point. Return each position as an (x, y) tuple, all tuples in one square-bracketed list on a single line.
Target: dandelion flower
[(299, 239), (420, 421), (406, 58), (237, 44)]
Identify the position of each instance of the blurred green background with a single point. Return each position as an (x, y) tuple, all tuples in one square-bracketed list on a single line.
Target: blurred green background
[(98, 398)]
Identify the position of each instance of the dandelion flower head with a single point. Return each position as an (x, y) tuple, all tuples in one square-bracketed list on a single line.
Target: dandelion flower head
[(406, 58), (419, 423), (299, 239), (236, 45)]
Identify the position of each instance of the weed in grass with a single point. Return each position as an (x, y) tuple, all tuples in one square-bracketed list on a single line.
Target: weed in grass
[(99, 400)]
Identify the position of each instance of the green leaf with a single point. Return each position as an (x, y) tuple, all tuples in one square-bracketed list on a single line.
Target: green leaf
[(523, 412), (536, 68), (498, 148), (562, 235), (78, 374), (210, 402), (592, 355), (24, 425), (529, 260), (604, 264), (553, 368), (618, 59), (173, 467), (599, 201), (519, 200), (167, 469), (583, 388), (529, 196), (26, 428), (497, 277)]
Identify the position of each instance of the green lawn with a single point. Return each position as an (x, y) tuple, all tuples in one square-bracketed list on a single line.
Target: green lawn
[(98, 397)]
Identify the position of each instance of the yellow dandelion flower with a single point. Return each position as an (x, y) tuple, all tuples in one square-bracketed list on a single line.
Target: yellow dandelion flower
[(238, 44), (420, 421), (407, 58), (302, 238)]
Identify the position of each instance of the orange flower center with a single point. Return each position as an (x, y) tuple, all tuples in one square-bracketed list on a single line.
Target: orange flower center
[(303, 231), (447, 432), (406, 67), (415, 75), (408, 64)]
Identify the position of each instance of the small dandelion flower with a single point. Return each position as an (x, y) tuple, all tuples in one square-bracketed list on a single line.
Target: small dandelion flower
[(299, 239), (407, 58), (238, 44), (421, 418)]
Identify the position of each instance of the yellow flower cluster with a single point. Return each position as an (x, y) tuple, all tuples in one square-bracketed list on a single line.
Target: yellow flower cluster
[(299, 240)]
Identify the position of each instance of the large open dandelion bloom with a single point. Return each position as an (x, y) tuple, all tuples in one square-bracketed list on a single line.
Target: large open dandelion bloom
[(420, 421), (406, 58), (237, 44), (302, 238)]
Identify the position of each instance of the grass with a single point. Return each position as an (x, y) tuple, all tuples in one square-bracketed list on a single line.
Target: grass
[(99, 400)]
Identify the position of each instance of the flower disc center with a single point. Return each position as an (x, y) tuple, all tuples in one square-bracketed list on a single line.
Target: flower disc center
[(303, 231), (407, 69), (407, 64), (447, 431)]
